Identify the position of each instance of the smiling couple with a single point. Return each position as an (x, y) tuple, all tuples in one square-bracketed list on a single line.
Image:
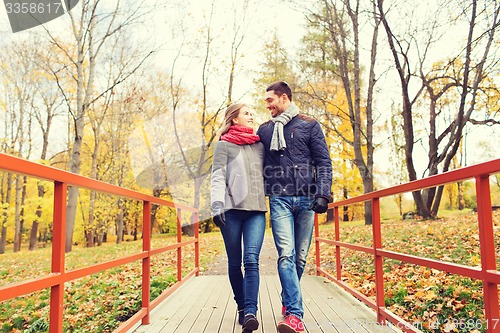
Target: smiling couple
[(291, 147)]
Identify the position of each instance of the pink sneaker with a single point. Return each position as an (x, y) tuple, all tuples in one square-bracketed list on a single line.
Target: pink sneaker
[(283, 311), (291, 324)]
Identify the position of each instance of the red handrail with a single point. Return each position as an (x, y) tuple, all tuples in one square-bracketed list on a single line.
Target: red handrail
[(58, 276), (487, 273)]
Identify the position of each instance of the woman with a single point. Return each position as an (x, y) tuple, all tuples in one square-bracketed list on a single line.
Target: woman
[(239, 206)]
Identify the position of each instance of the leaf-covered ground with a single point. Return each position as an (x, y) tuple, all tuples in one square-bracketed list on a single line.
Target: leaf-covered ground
[(97, 303), (432, 300)]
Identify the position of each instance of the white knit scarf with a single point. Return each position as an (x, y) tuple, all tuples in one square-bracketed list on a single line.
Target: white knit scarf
[(278, 140)]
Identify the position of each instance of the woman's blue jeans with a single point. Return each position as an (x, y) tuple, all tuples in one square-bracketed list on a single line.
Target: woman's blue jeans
[(244, 228), (292, 223)]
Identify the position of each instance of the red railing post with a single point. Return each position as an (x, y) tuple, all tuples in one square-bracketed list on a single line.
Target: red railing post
[(58, 256), (378, 259), (316, 241), (338, 264), (196, 244), (487, 248), (179, 240), (146, 262)]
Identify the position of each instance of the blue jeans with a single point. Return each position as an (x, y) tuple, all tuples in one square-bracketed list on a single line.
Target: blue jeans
[(292, 223), (249, 226)]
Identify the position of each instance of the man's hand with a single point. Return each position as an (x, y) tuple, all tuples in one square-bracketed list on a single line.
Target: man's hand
[(218, 214), (319, 205)]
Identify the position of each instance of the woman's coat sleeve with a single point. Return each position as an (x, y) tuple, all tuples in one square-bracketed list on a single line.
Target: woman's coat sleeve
[(218, 179)]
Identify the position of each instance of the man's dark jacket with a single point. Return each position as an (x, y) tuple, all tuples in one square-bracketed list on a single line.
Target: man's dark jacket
[(304, 167)]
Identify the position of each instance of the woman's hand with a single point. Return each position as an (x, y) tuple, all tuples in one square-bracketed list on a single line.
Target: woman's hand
[(218, 214)]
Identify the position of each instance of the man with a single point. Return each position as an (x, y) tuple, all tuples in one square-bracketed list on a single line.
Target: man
[(298, 180)]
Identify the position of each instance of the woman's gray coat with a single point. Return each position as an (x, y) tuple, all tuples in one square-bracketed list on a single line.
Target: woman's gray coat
[(237, 179)]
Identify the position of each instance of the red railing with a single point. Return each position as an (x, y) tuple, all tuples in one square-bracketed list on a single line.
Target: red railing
[(487, 273), (59, 276)]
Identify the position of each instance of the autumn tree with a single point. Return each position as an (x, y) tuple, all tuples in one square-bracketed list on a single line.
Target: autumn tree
[(334, 56), (97, 115), (6, 184), (46, 109), (276, 64), (117, 129), (452, 89), (20, 76), (195, 146), (96, 29)]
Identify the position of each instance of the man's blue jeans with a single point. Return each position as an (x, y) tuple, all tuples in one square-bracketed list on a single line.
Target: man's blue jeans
[(292, 223), (248, 226)]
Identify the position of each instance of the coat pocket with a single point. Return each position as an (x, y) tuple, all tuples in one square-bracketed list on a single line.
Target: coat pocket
[(305, 179), (237, 189)]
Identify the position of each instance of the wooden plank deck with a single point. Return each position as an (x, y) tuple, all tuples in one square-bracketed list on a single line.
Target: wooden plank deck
[(205, 304)]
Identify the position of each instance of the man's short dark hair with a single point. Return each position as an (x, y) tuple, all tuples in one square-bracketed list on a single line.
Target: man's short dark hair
[(280, 88)]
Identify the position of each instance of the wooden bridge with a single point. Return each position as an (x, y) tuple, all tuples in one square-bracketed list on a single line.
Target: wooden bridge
[(204, 304)]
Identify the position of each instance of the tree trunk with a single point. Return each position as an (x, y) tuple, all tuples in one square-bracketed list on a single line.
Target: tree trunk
[(208, 226), (17, 215), (450, 198), (119, 222), (134, 232), (330, 216), (23, 201), (437, 200), (5, 215), (3, 236), (460, 197), (33, 235), (38, 213), (100, 232), (94, 175), (90, 237), (91, 228), (368, 187), (75, 162), (400, 204), (345, 208)]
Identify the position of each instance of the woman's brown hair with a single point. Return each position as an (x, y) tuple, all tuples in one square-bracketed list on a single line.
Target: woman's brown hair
[(231, 113)]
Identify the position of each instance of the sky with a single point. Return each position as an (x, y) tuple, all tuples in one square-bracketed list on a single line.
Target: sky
[(261, 20)]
